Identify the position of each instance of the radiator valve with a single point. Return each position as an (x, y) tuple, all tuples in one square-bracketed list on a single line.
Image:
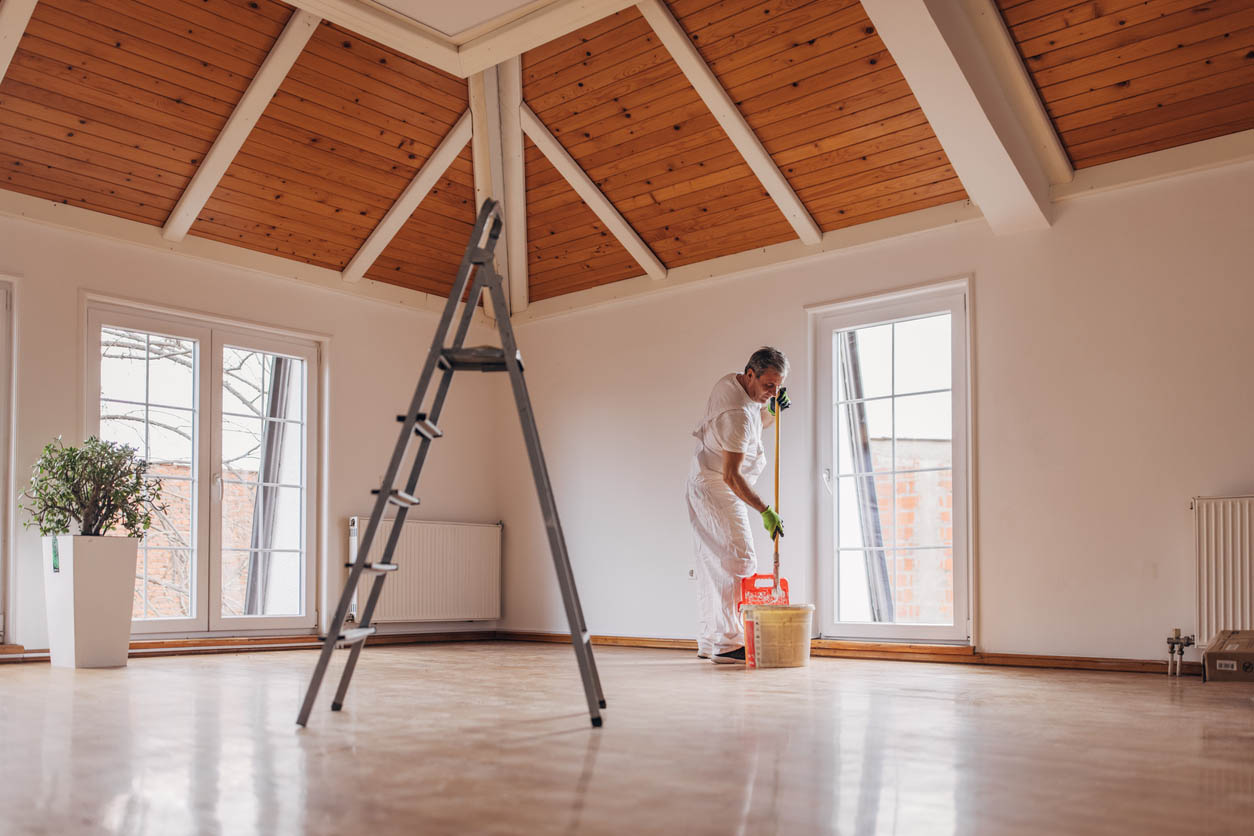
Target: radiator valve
[(1176, 644)]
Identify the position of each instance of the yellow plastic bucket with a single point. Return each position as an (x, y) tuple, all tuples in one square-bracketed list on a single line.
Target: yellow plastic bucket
[(777, 635)]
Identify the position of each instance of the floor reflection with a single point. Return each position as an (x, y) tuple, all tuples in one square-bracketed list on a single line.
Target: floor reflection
[(491, 738)]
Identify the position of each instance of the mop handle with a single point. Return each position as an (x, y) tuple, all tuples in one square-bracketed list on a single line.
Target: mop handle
[(779, 413)]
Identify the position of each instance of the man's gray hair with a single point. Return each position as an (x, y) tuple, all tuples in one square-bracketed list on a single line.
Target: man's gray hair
[(765, 358)]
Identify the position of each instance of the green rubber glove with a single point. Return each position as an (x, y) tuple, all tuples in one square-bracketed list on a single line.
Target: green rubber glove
[(780, 402), (773, 522)]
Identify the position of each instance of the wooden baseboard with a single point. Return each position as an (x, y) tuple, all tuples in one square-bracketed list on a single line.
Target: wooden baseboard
[(890, 651), (256, 644), (951, 654), (609, 641)]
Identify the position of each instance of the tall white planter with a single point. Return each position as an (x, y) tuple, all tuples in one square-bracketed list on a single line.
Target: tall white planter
[(88, 589)]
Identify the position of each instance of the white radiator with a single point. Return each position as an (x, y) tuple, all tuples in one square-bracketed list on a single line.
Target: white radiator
[(1223, 529), (447, 571)]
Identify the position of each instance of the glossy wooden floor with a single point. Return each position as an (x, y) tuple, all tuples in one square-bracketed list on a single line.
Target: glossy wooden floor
[(493, 738)]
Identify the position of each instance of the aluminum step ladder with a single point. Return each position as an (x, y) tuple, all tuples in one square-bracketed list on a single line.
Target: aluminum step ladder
[(446, 359)]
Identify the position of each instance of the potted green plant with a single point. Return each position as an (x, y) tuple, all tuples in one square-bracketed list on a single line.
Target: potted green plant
[(89, 578)]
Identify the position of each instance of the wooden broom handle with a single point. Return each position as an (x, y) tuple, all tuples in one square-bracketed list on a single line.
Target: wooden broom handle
[(779, 413)]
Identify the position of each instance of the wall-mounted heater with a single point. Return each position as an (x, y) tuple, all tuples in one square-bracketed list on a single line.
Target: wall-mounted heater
[(448, 571), (1223, 531)]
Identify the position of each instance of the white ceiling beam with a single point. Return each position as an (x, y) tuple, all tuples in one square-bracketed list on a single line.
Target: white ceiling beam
[(1020, 90), (937, 48), (390, 29), (291, 42), (531, 30), (514, 182), (591, 195), (733, 122), (485, 144), (432, 170), (14, 16)]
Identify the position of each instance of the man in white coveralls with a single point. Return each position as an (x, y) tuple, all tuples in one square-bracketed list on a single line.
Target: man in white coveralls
[(729, 458)]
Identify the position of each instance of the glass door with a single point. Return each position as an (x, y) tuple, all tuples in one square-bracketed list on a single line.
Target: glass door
[(893, 458), (265, 508), (227, 420), (149, 389)]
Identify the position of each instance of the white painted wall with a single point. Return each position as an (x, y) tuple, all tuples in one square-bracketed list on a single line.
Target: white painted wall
[(1113, 365), (374, 354)]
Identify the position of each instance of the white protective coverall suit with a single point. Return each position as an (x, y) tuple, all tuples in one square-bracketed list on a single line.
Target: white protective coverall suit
[(720, 520)]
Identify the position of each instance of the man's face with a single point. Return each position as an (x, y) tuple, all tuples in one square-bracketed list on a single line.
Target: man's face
[(765, 386)]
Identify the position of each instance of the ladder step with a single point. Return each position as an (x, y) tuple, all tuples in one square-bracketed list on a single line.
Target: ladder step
[(483, 358), (398, 497), (423, 426), (479, 255), (376, 568), (356, 634)]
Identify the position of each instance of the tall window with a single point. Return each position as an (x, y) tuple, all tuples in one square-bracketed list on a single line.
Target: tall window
[(894, 450), (224, 418)]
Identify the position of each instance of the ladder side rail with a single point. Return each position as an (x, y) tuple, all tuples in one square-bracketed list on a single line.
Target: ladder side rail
[(488, 212), (437, 408), (557, 541)]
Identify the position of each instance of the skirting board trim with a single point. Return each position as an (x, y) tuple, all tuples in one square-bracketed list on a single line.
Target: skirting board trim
[(952, 654)]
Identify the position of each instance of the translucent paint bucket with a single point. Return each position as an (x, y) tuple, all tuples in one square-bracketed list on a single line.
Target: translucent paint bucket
[(777, 635)]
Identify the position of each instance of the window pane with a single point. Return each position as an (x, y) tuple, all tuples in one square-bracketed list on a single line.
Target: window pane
[(925, 586), (243, 386), (169, 583), (853, 596), (864, 362), (864, 585), (234, 581), (170, 437), (241, 447), (925, 505), (261, 583), (285, 467), (173, 527), (869, 446), (239, 501), (924, 429), (123, 364), (921, 355), (171, 371), (125, 424), (865, 511)]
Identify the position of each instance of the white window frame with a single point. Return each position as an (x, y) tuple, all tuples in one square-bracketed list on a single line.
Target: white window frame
[(952, 297), (211, 335)]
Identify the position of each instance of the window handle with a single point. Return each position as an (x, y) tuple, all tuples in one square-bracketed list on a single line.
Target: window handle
[(827, 480), (217, 487)]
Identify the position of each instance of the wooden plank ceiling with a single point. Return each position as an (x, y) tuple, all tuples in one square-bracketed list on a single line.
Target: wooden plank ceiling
[(347, 130), (814, 82), (1126, 77), (111, 105), (820, 90)]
